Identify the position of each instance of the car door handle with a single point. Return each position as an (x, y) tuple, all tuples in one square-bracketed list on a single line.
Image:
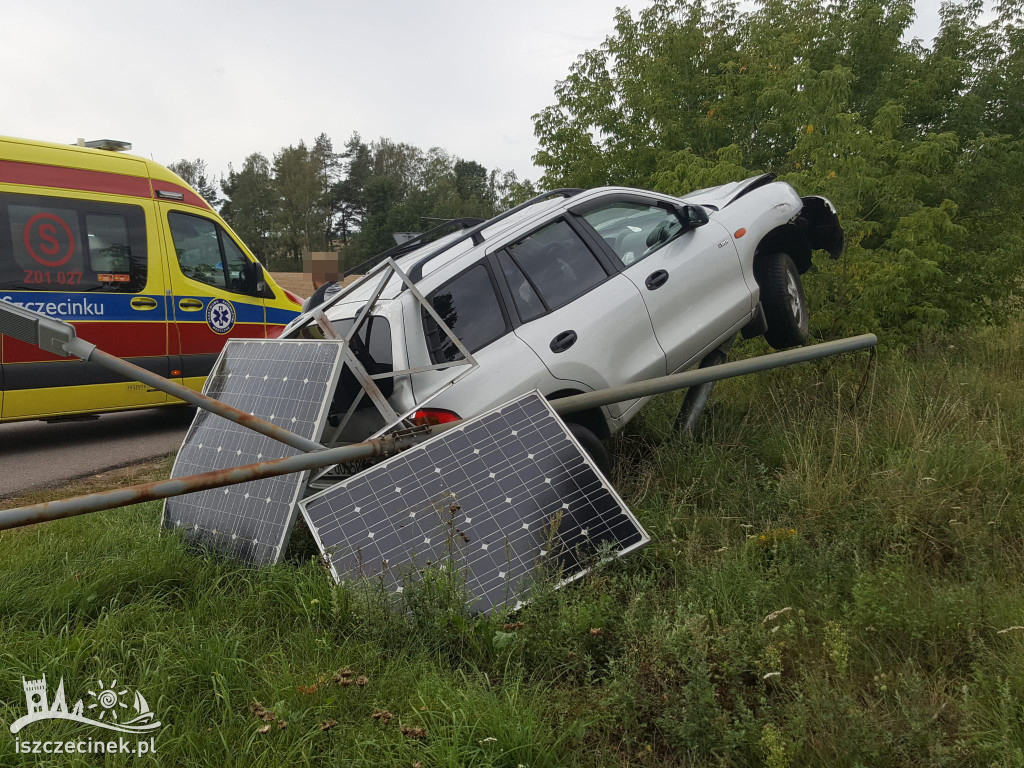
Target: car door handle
[(143, 302), (656, 279), (563, 341), (190, 305)]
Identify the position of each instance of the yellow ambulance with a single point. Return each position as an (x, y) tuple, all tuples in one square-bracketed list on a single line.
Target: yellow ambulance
[(142, 266)]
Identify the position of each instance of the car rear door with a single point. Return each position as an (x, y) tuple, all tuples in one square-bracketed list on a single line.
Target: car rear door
[(469, 304), (689, 276), (586, 321), (218, 291)]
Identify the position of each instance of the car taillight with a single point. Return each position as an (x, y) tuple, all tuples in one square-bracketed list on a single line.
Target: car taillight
[(429, 416)]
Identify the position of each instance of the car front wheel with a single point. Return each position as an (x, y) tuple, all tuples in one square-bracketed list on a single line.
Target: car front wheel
[(782, 296)]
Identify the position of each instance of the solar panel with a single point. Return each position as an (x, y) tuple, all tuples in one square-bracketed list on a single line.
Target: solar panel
[(499, 495), (288, 383)]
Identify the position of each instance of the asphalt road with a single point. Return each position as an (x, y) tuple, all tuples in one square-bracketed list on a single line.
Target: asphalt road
[(36, 455)]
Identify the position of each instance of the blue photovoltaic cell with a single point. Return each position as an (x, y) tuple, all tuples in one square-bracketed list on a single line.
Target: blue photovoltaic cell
[(288, 383), (500, 495)]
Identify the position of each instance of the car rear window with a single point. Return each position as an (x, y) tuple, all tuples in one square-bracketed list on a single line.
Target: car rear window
[(469, 306), (63, 244), (372, 347)]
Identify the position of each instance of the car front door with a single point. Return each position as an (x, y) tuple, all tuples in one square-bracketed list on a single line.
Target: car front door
[(689, 274), (218, 291), (587, 322)]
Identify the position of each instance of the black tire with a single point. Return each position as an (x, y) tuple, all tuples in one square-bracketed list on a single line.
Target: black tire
[(593, 446), (782, 296)]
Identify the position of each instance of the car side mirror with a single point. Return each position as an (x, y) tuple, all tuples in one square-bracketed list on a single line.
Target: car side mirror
[(692, 216), (255, 278)]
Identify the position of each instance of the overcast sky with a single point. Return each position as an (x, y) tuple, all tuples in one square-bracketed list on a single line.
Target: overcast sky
[(220, 80)]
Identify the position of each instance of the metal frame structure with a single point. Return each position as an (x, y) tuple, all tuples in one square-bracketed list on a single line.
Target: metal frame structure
[(59, 338), (383, 272)]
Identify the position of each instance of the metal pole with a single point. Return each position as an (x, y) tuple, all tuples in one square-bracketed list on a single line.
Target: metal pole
[(94, 502), (697, 397), (698, 376), (79, 348)]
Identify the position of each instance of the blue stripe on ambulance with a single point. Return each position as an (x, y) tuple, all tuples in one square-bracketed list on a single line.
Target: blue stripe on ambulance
[(87, 306), (276, 316), (117, 307)]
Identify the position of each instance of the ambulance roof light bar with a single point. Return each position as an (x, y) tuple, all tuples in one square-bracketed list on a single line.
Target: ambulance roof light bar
[(111, 145)]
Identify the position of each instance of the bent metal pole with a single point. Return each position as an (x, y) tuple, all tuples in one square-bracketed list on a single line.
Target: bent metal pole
[(697, 376), (94, 502)]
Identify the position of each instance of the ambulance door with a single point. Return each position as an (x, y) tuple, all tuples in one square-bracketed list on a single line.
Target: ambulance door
[(217, 289), (85, 259)]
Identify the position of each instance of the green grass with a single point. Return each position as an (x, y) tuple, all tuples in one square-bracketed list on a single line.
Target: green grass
[(834, 557)]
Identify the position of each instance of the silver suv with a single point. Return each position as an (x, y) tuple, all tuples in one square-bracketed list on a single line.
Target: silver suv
[(579, 290)]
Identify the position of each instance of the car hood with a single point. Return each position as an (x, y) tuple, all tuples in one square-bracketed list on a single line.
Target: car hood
[(721, 196)]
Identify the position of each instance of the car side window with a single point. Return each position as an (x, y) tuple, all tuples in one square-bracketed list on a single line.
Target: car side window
[(558, 264), (527, 301), (469, 306), (634, 230), (206, 253)]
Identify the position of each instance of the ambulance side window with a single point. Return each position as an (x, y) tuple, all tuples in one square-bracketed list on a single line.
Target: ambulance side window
[(66, 245), (198, 249), (236, 263), (206, 253), (109, 249)]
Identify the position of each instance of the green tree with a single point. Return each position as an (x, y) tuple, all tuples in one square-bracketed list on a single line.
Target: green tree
[(919, 148), (193, 173), (302, 180), (397, 187), (251, 208), (347, 201)]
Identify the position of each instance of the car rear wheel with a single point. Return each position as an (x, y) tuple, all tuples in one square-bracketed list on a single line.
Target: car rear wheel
[(782, 296), (592, 444)]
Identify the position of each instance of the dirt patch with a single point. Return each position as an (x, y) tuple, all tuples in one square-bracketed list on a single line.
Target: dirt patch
[(300, 283)]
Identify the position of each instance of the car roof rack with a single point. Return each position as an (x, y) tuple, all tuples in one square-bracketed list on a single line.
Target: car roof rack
[(416, 273), (473, 228)]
